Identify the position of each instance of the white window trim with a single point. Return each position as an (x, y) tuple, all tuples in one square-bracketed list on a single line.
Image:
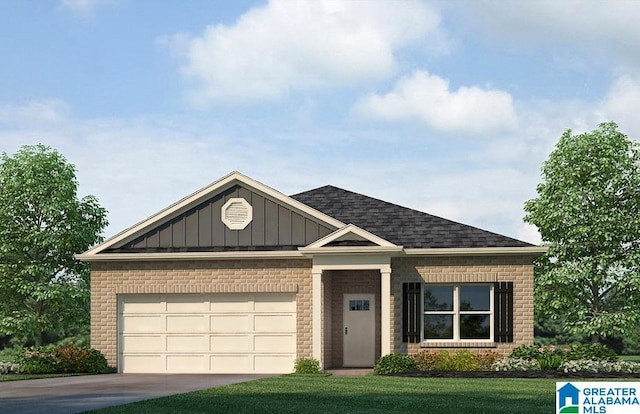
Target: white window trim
[(456, 313)]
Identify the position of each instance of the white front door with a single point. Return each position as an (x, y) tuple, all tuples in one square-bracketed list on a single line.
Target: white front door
[(359, 330)]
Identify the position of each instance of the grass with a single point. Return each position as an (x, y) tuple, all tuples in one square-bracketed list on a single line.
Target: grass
[(370, 394), (633, 358)]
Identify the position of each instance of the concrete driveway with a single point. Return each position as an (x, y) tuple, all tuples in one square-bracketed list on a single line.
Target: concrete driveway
[(77, 394)]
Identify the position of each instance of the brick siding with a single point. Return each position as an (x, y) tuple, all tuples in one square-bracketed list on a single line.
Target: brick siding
[(109, 279), (481, 269)]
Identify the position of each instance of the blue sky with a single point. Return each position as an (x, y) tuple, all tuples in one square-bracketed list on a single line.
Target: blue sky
[(445, 107)]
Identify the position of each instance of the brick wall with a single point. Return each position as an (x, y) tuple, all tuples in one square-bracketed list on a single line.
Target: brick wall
[(109, 279), (481, 269)]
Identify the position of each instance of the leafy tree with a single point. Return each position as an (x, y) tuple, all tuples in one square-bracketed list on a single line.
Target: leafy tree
[(587, 211), (42, 225)]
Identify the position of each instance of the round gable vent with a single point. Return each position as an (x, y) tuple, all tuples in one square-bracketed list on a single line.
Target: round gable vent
[(237, 213)]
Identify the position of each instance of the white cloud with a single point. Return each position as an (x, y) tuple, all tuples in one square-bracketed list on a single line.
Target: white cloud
[(429, 99), (34, 112), (592, 25), (287, 46), (621, 105)]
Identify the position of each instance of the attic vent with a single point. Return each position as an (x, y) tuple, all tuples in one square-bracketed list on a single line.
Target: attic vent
[(237, 213)]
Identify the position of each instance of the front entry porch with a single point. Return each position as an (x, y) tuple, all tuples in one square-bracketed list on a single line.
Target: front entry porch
[(351, 318)]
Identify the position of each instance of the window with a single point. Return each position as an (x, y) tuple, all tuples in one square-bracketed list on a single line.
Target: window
[(457, 312), (359, 305)]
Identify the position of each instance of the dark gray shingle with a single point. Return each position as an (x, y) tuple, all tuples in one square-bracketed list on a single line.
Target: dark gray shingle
[(400, 225)]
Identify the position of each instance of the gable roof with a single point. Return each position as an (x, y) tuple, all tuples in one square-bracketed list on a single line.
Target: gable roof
[(399, 225), (167, 218)]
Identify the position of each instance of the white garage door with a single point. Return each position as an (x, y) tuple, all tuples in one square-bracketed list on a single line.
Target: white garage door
[(211, 333)]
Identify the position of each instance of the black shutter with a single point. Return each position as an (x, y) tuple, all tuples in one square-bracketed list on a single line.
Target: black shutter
[(411, 312), (503, 311)]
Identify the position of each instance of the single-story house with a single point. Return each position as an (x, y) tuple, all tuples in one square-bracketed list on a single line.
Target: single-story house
[(241, 278)]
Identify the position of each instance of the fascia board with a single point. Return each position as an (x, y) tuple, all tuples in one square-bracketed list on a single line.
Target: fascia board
[(191, 200), (478, 251), (150, 257)]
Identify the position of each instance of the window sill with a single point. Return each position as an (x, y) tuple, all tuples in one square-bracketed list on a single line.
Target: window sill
[(457, 344)]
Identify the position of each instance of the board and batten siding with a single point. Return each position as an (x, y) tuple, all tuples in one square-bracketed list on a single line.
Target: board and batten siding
[(201, 227)]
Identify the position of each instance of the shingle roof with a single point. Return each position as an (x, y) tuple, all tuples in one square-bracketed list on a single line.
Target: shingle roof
[(400, 225)]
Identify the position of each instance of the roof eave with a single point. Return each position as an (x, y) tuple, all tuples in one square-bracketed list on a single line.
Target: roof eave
[(478, 251), (180, 256)]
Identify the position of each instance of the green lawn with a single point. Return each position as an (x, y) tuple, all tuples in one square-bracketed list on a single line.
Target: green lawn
[(21, 377), (634, 358), (371, 394)]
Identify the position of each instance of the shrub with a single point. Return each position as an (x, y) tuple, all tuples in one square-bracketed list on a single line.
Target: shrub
[(487, 358), (307, 366), (62, 359), (516, 364), (425, 359), (591, 366), (37, 361), (72, 359), (550, 361), (9, 368), (594, 352), (457, 361), (394, 364)]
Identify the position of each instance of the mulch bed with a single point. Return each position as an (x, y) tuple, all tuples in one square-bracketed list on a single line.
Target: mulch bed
[(516, 374)]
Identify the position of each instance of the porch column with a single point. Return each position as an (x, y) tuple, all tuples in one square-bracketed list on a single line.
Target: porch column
[(385, 310), (316, 317)]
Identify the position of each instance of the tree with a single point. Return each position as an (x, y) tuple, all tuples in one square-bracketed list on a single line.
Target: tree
[(43, 288), (588, 212)]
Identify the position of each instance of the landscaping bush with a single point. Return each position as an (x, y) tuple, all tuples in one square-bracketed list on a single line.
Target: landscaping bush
[(462, 360), (394, 364), (457, 361), (594, 352), (516, 364), (9, 368), (71, 359), (37, 361), (487, 359), (425, 359), (62, 359), (593, 366), (306, 366)]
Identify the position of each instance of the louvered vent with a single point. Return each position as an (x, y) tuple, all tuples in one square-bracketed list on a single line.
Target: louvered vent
[(237, 213)]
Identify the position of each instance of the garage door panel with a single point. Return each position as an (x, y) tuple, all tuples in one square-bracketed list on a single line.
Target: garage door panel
[(187, 343), (231, 303), (231, 364), (143, 304), (187, 323), (275, 343), (143, 364), (231, 323), (274, 303), (230, 343), (275, 323), (142, 323), (188, 303), (186, 363), (278, 364), (143, 343), (218, 333)]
